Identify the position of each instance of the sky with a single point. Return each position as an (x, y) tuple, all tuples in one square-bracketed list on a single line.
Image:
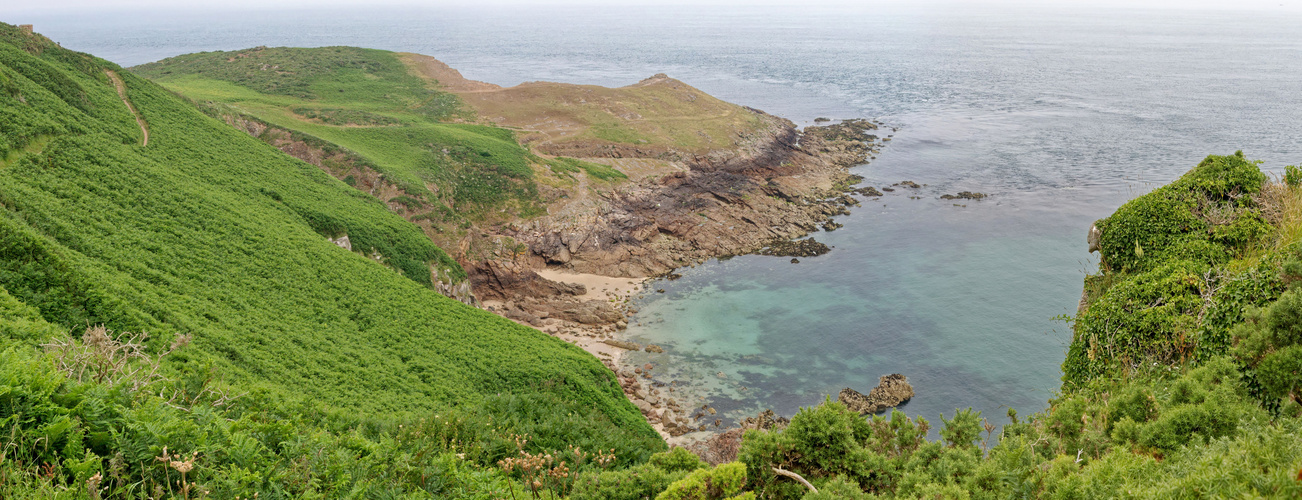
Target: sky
[(17, 6)]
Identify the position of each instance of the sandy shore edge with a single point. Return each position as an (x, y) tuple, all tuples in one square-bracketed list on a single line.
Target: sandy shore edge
[(617, 290)]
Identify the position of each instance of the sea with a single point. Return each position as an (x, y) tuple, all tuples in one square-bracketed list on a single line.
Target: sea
[(1059, 113)]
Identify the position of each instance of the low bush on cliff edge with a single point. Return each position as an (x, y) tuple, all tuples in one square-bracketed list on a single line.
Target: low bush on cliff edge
[(1180, 265)]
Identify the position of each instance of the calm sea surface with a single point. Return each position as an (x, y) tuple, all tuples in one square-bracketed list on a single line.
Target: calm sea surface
[(1060, 115)]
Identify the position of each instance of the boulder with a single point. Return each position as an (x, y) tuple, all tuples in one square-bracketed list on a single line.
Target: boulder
[(631, 346), (764, 421), (891, 391), (592, 312)]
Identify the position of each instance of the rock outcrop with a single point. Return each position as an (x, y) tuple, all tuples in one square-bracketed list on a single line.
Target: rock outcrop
[(964, 195), (891, 391), (765, 420), (778, 184), (1094, 238)]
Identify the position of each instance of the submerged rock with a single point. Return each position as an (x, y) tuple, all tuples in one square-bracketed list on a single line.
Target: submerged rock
[(799, 248), (891, 391), (869, 191), (964, 195), (631, 346)]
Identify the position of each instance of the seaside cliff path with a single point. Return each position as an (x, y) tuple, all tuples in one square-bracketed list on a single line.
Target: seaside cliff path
[(122, 92)]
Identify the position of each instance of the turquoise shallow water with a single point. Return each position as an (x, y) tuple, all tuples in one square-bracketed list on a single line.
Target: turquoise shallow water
[(1060, 114), (958, 298)]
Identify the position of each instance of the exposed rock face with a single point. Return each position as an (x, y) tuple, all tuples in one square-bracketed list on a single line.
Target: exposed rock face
[(343, 242), (720, 448), (891, 391), (775, 185), (504, 280), (1094, 237), (764, 421)]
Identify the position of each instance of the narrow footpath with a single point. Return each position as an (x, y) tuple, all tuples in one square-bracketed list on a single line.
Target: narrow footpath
[(122, 92)]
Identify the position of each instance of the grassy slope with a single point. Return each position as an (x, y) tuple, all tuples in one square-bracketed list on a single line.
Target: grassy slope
[(210, 232), (657, 111), (366, 101)]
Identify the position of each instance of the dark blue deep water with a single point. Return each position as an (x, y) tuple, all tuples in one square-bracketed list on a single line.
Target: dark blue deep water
[(1060, 114)]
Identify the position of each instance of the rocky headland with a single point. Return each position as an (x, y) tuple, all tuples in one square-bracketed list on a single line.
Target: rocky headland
[(753, 184)]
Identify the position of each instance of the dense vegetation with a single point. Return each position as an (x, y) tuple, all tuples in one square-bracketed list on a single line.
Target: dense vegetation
[(284, 364), (279, 365)]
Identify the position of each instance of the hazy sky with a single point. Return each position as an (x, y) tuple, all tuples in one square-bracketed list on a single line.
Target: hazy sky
[(227, 5)]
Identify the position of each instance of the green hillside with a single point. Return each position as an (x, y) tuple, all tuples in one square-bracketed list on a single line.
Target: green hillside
[(209, 235), (368, 102)]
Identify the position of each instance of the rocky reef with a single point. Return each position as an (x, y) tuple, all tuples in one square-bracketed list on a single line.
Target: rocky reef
[(964, 195), (797, 248)]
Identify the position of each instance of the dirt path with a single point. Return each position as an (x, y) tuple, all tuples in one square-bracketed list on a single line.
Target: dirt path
[(122, 92)]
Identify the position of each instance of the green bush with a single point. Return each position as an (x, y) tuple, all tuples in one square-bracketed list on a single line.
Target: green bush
[(1269, 343), (565, 165), (1148, 317), (724, 481), (1292, 175), (677, 459), (1135, 403), (838, 488), (639, 482), (963, 430), (1165, 224)]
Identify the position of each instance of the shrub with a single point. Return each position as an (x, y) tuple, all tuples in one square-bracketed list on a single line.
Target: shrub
[(838, 488), (634, 483), (1292, 175), (677, 460), (1151, 316), (963, 430), (720, 482), (1135, 403), (1269, 343)]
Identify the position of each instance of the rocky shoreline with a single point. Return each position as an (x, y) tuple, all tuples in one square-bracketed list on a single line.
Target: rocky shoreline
[(775, 187)]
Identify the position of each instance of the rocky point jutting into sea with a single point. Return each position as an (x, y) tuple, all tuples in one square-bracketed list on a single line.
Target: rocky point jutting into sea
[(777, 185)]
